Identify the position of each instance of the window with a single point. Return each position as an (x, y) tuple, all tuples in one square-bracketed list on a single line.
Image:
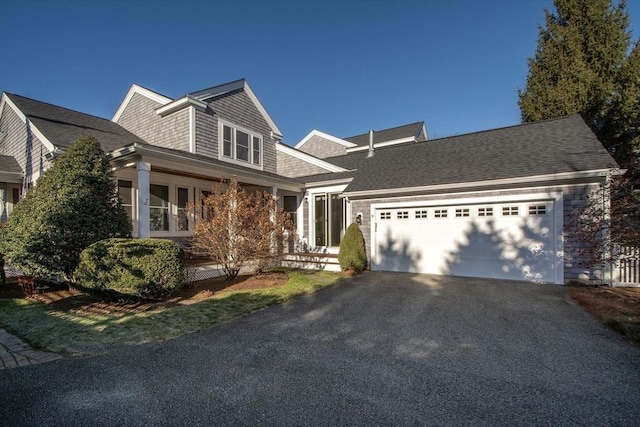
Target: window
[(462, 212), (291, 207), (182, 198), (537, 210), (485, 211), (241, 145), (126, 198), (440, 213), (205, 212), (385, 215), (403, 215), (509, 211), (159, 207), (422, 214)]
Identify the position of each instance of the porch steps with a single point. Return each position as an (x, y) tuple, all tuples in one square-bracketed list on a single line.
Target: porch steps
[(311, 261)]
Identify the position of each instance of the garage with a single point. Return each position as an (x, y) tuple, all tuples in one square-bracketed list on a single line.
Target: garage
[(509, 238)]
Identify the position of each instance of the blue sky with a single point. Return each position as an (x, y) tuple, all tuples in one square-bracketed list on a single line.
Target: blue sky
[(342, 67)]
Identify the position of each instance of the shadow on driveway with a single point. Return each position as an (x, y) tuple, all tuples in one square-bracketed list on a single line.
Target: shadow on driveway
[(385, 348)]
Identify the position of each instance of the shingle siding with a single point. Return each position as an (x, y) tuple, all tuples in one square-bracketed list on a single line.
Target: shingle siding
[(140, 118), (293, 167), (322, 148), (20, 143), (206, 134), (574, 198)]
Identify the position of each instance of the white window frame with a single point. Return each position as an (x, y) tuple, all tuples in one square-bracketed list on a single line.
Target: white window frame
[(251, 162)]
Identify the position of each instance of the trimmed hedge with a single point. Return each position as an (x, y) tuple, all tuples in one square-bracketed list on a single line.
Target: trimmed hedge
[(148, 268), (352, 255)]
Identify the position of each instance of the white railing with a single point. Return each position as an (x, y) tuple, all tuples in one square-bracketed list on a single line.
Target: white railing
[(625, 271)]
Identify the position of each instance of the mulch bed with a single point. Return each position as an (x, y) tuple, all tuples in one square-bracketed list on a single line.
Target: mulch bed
[(66, 298)]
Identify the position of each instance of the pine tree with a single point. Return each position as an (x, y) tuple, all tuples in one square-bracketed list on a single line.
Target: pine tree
[(74, 204), (582, 65)]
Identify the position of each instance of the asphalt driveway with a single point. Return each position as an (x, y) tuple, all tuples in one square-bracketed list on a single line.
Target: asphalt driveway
[(386, 348)]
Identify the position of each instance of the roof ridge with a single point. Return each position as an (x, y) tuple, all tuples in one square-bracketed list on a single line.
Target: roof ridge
[(502, 128), (242, 79), (56, 106), (383, 130)]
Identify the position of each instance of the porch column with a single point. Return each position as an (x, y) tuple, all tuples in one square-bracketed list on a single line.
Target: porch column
[(3, 202), (142, 207)]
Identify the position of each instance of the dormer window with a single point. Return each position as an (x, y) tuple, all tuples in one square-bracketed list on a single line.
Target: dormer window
[(240, 145)]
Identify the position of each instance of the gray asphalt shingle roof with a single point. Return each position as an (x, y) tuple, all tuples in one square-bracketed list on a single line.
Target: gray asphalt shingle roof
[(63, 127), (9, 164), (542, 148), (400, 132)]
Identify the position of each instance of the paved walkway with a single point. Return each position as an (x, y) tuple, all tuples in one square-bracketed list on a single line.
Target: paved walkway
[(14, 352)]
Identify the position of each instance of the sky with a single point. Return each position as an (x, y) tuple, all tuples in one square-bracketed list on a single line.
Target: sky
[(341, 67)]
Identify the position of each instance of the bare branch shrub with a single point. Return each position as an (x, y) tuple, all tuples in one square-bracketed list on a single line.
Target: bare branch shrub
[(241, 227)]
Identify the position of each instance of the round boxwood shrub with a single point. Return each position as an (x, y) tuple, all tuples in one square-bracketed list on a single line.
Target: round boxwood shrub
[(352, 255), (148, 268)]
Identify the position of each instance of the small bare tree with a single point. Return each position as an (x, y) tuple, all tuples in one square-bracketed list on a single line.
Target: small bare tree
[(609, 221), (239, 227)]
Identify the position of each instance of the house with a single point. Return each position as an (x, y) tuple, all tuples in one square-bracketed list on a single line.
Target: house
[(487, 204)]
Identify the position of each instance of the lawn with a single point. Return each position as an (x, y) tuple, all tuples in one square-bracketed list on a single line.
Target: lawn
[(618, 308), (74, 323)]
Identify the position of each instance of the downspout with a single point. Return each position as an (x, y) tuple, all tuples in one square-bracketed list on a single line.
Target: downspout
[(371, 151)]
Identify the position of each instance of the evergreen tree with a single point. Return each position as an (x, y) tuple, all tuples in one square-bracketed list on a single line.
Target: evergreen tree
[(582, 65), (74, 204)]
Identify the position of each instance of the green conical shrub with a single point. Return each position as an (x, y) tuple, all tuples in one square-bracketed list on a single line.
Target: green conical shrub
[(74, 204), (352, 254)]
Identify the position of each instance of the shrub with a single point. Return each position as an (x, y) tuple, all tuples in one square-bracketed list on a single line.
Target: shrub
[(241, 227), (352, 255), (74, 205), (149, 268)]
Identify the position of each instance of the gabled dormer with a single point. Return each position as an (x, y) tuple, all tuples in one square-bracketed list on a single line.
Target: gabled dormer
[(226, 122)]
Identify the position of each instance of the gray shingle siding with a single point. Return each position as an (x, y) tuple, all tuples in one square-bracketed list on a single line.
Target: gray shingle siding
[(20, 143), (237, 108), (206, 134), (140, 118), (293, 167), (574, 198), (322, 148)]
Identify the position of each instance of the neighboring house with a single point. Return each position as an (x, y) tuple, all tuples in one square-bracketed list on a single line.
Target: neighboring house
[(488, 204)]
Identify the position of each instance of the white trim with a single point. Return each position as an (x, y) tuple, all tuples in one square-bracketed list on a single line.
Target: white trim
[(555, 196), (309, 158), (489, 183), (324, 136), (30, 126), (309, 195), (156, 97), (317, 184), (382, 144), (263, 111), (11, 177), (179, 104), (192, 129), (205, 167)]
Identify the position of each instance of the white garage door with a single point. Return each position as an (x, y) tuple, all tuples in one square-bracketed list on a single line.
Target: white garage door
[(508, 240)]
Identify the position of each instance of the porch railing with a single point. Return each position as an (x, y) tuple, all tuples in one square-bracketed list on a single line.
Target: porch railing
[(626, 270)]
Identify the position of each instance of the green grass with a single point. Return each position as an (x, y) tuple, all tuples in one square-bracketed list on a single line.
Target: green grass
[(73, 333)]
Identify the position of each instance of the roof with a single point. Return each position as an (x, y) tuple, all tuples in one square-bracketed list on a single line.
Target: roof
[(543, 148), (62, 127), (9, 164), (401, 132)]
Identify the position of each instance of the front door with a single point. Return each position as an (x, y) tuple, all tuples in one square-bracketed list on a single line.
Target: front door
[(329, 211)]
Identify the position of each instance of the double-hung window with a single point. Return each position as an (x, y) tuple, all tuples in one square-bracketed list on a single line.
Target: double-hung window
[(241, 145), (159, 207)]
